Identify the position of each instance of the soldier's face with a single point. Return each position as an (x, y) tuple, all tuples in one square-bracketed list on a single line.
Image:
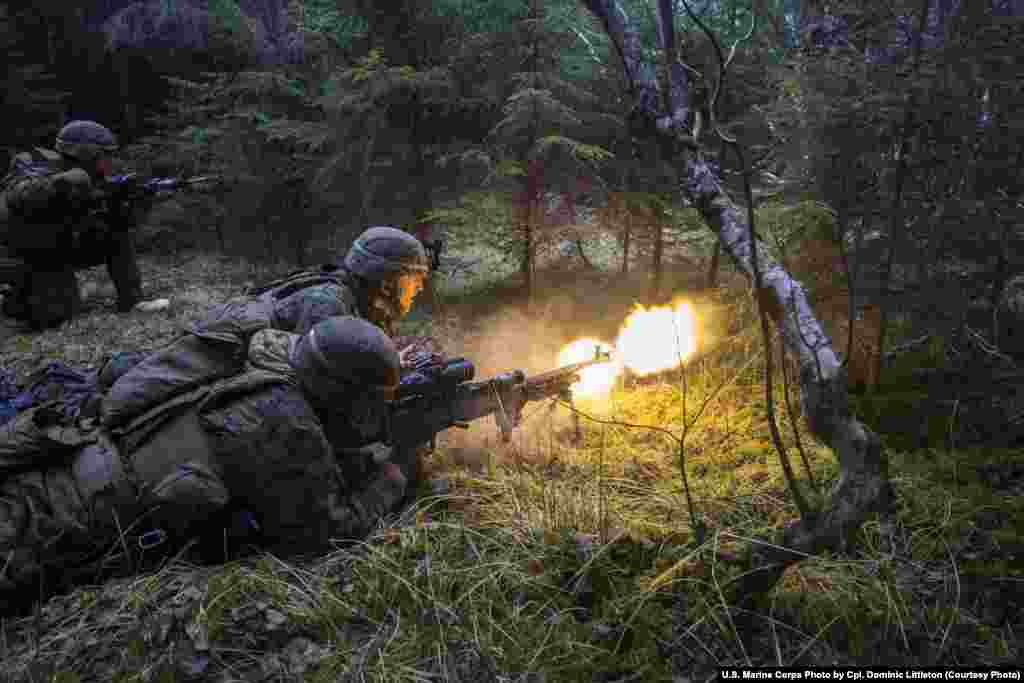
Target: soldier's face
[(104, 167)]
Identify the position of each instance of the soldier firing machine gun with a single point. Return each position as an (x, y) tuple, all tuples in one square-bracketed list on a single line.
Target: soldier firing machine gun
[(447, 397)]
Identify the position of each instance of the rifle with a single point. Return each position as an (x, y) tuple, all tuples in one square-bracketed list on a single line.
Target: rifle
[(448, 397), (130, 186)]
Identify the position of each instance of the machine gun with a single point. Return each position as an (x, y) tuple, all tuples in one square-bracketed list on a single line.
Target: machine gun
[(447, 397)]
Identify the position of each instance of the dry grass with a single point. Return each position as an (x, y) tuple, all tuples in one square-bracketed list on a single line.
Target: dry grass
[(549, 560)]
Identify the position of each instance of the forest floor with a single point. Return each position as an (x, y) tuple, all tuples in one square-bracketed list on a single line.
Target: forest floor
[(547, 558)]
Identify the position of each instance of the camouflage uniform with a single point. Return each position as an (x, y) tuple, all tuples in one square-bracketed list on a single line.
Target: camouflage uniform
[(49, 229), (301, 300), (256, 439), (366, 285)]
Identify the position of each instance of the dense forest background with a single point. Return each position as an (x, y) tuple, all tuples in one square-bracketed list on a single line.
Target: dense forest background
[(880, 139)]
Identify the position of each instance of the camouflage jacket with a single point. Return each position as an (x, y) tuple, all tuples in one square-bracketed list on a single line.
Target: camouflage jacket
[(28, 186), (302, 299), (38, 220), (252, 440)]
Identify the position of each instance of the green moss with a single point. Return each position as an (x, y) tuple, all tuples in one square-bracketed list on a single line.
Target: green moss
[(1013, 535), (841, 621), (897, 416), (991, 568), (901, 374), (136, 648), (21, 343)]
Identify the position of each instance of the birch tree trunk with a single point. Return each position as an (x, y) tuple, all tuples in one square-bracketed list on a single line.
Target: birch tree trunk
[(863, 487)]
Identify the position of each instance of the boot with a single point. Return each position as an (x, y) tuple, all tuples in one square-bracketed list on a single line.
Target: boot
[(142, 305)]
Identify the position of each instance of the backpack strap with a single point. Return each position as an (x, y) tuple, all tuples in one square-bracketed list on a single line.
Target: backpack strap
[(300, 279)]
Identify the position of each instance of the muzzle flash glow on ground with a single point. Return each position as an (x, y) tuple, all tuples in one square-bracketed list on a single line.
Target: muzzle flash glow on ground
[(650, 340)]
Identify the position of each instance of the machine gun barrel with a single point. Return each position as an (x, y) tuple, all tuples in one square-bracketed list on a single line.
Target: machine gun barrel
[(560, 380)]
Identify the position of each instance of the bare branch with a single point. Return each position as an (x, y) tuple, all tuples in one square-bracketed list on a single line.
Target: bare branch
[(723, 66)]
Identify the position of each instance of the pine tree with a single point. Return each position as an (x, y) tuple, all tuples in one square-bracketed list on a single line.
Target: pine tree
[(536, 149)]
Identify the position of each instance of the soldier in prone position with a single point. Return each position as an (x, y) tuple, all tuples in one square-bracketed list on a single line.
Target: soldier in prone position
[(53, 231), (272, 439)]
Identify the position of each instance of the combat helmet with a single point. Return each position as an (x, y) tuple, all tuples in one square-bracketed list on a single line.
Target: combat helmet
[(346, 358), (382, 252), (85, 141)]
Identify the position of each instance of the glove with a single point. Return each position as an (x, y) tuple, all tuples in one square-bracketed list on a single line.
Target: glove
[(416, 351), (421, 360)]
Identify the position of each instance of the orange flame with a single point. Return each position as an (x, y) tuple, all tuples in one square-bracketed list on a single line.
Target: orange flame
[(658, 338), (650, 340)]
